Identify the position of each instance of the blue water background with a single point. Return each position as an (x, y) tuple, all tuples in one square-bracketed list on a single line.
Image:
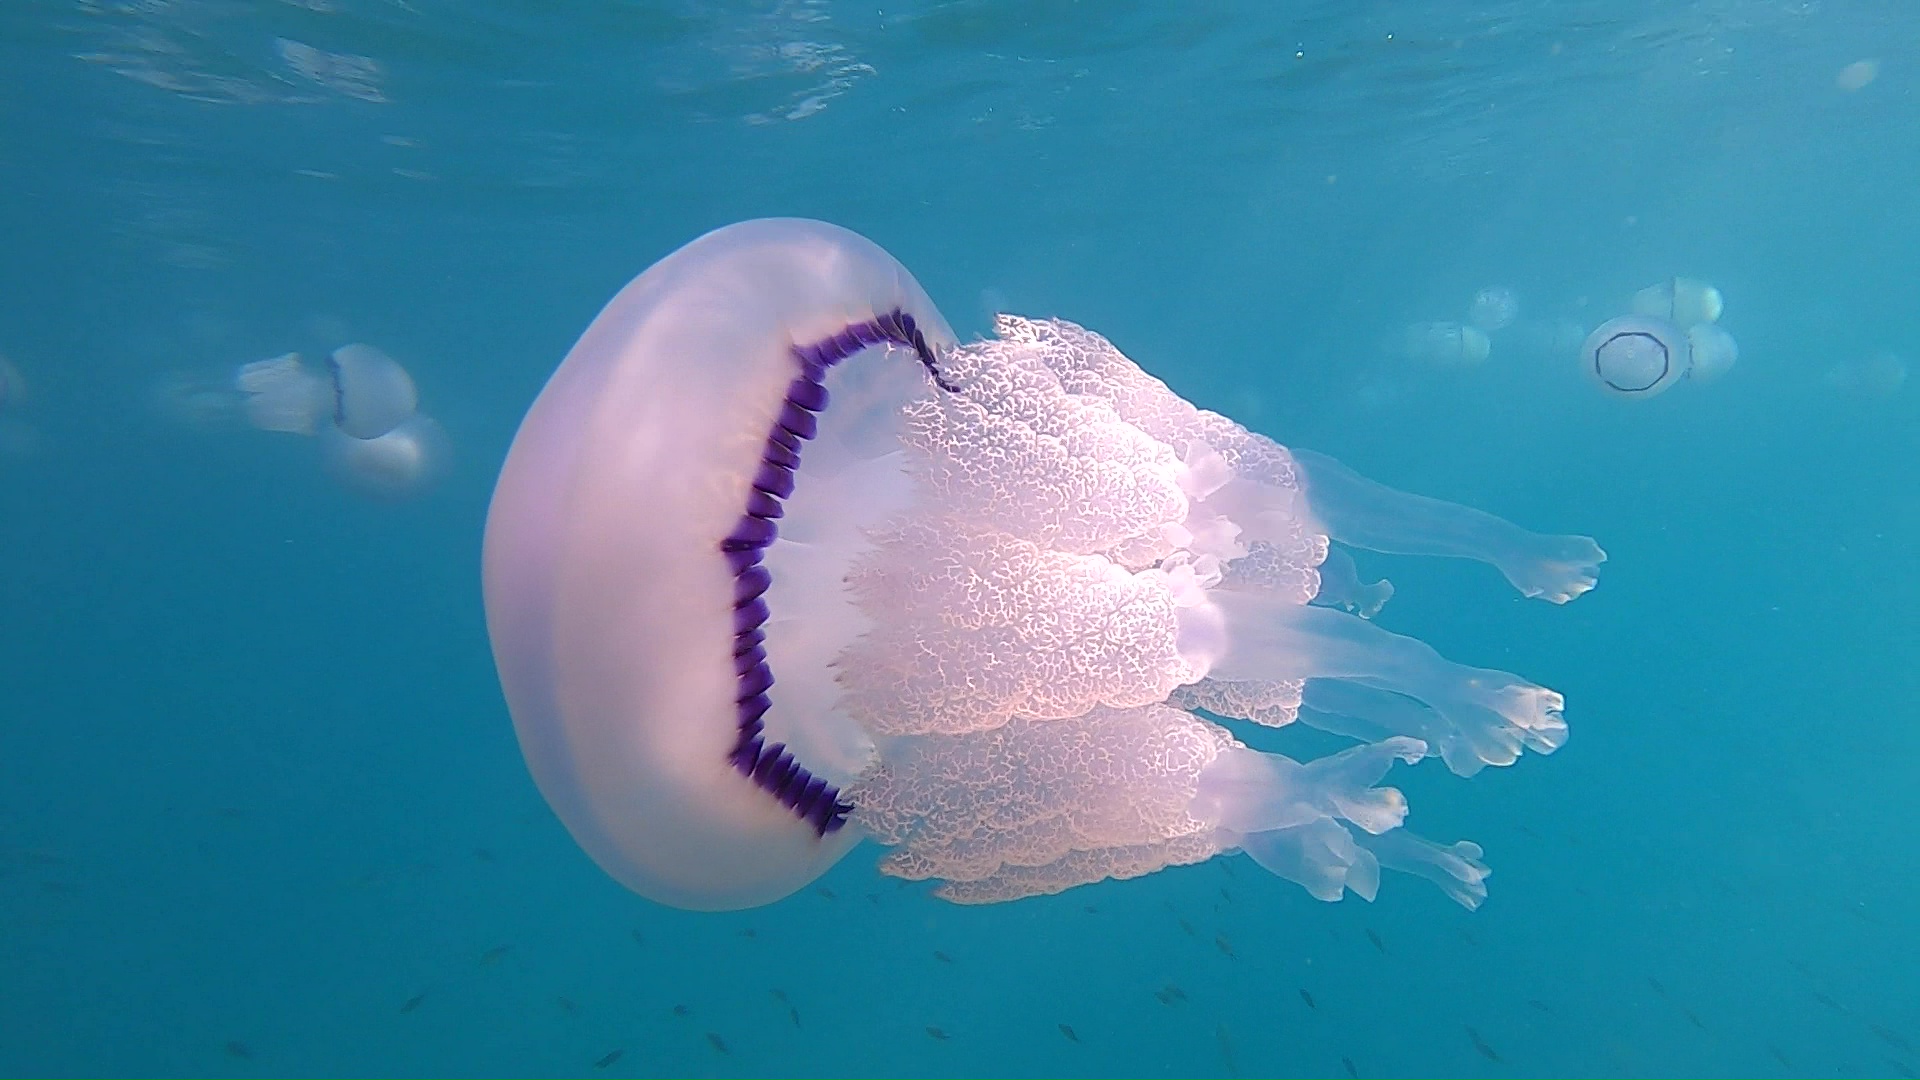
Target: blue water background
[(258, 789)]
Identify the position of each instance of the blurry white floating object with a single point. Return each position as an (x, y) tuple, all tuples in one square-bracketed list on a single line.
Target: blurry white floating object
[(372, 392), (364, 392), (1878, 376), (282, 394), (1494, 308), (1447, 344), (1683, 301), (1711, 351), (398, 464), (1857, 75), (13, 385)]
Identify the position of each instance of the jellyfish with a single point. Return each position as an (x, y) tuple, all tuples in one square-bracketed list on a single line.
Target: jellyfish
[(364, 393), (394, 465), (1446, 344), (1494, 308), (775, 565), (1641, 356), (1682, 301)]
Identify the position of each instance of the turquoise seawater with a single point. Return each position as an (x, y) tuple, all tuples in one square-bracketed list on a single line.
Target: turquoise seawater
[(261, 807)]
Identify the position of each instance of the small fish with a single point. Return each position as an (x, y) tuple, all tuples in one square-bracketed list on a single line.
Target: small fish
[(1225, 895), (1169, 994), (1308, 998), (1225, 1038), (1541, 1005), (1657, 988), (748, 932), (413, 1002), (1902, 1068), (1779, 1055), (793, 1014), (1347, 1064), (1188, 927), (936, 1033), (1827, 1001), (779, 995), (873, 898), (608, 1058), (238, 1049), (1480, 1044), (718, 1043), (1068, 1032), (1220, 942), (638, 937), (567, 1005), (681, 1010), (1226, 867), (942, 957), (1891, 1038), (493, 956), (1377, 943), (1692, 1019), (483, 854), (828, 893), (1091, 910), (1468, 938)]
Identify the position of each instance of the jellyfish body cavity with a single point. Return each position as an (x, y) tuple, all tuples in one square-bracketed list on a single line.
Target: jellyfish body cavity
[(774, 564), (1683, 301)]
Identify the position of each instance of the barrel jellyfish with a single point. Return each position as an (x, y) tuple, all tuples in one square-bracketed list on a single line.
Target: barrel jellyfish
[(1671, 334), (775, 564), (363, 407)]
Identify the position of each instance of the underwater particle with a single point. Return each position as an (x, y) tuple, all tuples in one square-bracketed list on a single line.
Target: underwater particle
[(1377, 943), (1308, 998), (942, 957), (413, 1002), (1857, 75), (239, 1050), (779, 995), (1068, 1032), (1347, 1064), (1480, 1044), (937, 1034), (681, 1010), (1657, 988), (748, 932), (483, 854), (608, 1058), (714, 1040), (826, 892), (1779, 1055), (638, 937), (494, 955), (567, 1005)]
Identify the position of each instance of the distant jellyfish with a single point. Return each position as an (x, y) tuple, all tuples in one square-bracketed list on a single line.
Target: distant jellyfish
[(1711, 351), (1446, 344), (775, 564), (1642, 356), (360, 390), (13, 385), (1879, 375), (1494, 308), (1685, 302), (400, 463)]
